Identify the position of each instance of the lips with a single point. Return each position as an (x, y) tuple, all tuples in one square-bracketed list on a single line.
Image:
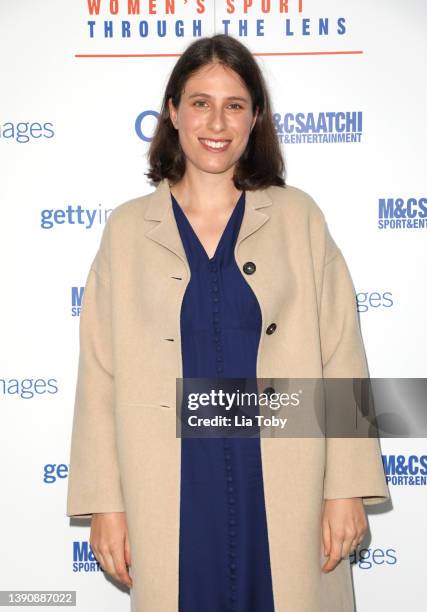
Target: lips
[(212, 144)]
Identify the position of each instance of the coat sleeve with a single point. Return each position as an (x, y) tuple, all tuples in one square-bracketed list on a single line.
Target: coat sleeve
[(354, 466), (94, 477)]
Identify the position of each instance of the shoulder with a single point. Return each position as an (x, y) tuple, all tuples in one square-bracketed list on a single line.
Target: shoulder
[(292, 198), (130, 211), (123, 223), (295, 207)]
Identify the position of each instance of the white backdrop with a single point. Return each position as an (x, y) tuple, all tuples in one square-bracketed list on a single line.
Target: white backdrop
[(70, 149)]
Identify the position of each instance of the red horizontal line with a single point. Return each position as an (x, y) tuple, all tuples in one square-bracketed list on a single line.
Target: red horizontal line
[(108, 55)]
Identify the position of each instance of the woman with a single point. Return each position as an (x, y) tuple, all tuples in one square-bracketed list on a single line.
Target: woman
[(222, 271)]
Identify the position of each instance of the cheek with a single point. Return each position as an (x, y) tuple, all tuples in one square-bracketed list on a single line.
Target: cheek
[(191, 121), (242, 125)]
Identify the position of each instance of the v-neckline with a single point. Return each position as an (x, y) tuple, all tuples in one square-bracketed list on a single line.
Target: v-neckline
[(222, 238)]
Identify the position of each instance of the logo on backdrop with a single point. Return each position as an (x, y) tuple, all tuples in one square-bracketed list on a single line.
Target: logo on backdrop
[(54, 471), (135, 20), (402, 213), (76, 300), (319, 127), (145, 124), (405, 470), (27, 388), (368, 558), (83, 558), (86, 218), (368, 300), (23, 131)]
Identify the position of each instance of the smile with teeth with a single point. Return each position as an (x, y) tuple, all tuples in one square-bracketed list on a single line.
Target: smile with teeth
[(215, 144)]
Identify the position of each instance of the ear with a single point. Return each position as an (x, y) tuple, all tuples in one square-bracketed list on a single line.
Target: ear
[(172, 112), (254, 118)]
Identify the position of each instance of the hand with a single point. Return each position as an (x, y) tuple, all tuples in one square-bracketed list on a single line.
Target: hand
[(344, 525), (110, 543)]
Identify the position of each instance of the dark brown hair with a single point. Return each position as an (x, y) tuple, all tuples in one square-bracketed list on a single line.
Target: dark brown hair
[(261, 164)]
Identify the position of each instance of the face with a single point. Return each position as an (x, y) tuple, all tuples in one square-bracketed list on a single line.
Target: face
[(215, 107)]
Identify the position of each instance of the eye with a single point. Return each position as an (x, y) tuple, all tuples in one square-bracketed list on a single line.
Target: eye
[(236, 105)]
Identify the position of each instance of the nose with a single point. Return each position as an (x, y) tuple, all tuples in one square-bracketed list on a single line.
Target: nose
[(217, 120)]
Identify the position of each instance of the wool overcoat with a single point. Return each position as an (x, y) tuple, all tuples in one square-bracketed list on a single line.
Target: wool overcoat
[(125, 453)]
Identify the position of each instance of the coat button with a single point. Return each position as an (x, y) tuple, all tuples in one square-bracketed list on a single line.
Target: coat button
[(249, 267), (269, 390), (271, 328)]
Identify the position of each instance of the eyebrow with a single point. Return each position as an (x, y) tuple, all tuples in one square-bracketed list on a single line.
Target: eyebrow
[(194, 95)]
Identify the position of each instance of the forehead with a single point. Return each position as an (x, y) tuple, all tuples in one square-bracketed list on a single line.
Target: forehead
[(215, 79)]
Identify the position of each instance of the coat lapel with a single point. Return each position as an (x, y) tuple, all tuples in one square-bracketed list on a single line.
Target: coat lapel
[(166, 231)]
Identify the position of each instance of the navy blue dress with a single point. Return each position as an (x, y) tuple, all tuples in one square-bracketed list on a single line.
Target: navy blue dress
[(224, 562)]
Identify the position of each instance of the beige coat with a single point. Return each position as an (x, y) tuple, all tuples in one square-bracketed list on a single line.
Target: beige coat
[(125, 455)]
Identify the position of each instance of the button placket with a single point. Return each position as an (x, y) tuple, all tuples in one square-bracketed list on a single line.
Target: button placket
[(216, 315), (231, 523), (229, 477)]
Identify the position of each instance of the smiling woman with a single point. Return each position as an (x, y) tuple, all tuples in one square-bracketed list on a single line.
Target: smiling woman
[(223, 272)]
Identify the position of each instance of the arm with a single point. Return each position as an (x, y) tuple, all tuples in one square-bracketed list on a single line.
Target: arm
[(94, 487), (354, 473), (94, 479), (353, 465)]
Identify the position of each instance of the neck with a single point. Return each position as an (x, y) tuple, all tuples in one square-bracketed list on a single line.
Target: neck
[(205, 191)]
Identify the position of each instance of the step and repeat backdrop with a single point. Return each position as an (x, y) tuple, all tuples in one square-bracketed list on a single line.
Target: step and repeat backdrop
[(81, 87)]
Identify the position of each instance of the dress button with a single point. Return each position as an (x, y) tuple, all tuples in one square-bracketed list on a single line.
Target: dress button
[(271, 328), (249, 267)]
